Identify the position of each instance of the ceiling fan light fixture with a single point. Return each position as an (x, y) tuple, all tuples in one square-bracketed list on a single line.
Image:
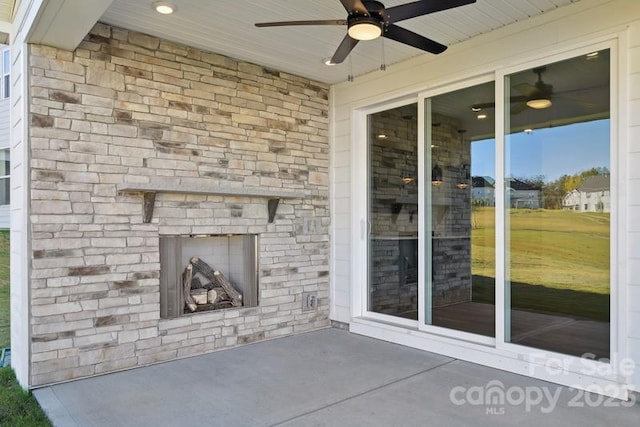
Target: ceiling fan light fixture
[(539, 103), (364, 28), (163, 7), (408, 179)]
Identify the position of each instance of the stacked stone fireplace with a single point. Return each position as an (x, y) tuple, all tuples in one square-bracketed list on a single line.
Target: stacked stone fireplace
[(139, 145), (207, 272)]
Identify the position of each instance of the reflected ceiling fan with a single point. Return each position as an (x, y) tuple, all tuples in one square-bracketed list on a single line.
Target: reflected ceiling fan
[(368, 20), (537, 96)]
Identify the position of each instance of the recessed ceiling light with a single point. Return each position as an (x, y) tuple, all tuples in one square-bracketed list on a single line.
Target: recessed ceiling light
[(382, 136), (482, 116), (164, 7), (327, 61), (476, 109)]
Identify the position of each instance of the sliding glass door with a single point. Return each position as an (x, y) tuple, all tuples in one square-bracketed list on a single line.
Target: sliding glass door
[(558, 206), (489, 210), (460, 210), (393, 212)]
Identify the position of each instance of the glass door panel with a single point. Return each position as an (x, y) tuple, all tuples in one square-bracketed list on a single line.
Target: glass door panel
[(461, 210), (557, 202), (393, 209)]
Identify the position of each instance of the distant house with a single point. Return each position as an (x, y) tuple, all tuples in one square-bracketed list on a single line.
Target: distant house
[(522, 195), (483, 191), (594, 195)]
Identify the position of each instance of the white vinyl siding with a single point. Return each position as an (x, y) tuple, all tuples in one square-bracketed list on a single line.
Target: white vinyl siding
[(20, 329)]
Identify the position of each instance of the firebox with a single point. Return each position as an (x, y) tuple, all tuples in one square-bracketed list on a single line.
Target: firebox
[(207, 272)]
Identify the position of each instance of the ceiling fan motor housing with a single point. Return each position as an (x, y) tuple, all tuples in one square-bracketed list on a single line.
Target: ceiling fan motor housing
[(375, 8), (375, 19)]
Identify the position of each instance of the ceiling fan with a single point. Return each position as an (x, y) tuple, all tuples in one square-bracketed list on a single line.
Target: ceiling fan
[(369, 19), (537, 96)]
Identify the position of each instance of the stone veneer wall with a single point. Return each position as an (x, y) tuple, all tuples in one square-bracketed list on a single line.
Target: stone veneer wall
[(129, 108)]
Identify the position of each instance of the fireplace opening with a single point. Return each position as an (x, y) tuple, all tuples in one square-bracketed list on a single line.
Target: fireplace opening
[(207, 272)]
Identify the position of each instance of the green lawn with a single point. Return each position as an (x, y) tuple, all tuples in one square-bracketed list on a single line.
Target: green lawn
[(17, 407), (4, 289), (559, 260)]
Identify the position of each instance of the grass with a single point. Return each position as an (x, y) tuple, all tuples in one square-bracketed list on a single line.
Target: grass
[(4, 289), (17, 407), (559, 260)]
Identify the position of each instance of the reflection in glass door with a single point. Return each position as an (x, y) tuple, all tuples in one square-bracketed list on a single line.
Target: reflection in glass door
[(558, 204), (556, 216), (461, 210), (393, 212)]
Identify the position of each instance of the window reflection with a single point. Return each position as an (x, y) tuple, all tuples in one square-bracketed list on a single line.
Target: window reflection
[(557, 191), (462, 210), (393, 209)]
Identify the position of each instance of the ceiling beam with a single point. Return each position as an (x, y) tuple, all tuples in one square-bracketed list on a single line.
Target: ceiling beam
[(64, 23)]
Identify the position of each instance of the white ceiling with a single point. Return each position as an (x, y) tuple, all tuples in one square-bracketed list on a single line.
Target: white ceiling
[(6, 17), (226, 27)]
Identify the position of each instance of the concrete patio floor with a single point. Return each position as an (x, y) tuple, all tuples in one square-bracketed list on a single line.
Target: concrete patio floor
[(323, 378)]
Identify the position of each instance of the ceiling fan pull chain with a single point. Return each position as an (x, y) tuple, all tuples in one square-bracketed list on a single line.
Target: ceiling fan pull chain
[(350, 76), (383, 62)]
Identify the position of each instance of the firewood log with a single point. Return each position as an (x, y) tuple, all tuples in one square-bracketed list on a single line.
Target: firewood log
[(236, 297), (187, 276), (199, 266), (199, 296), (217, 277), (212, 296)]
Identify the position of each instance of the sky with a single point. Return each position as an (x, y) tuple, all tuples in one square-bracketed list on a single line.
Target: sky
[(551, 152)]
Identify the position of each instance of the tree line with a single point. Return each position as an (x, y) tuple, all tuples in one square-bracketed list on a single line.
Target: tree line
[(552, 192)]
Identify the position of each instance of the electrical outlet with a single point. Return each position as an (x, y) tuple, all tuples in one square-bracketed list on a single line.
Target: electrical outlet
[(311, 226), (309, 301)]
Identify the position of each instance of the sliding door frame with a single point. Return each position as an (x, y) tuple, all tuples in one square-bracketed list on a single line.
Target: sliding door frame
[(495, 352)]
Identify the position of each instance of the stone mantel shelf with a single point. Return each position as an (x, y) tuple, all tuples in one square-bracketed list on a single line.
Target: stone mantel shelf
[(149, 191)]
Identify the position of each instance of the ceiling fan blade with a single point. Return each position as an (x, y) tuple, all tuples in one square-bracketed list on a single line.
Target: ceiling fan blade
[(424, 7), (289, 23), (346, 46), (520, 98), (355, 6), (526, 89), (485, 105), (518, 108), (576, 101), (410, 38)]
